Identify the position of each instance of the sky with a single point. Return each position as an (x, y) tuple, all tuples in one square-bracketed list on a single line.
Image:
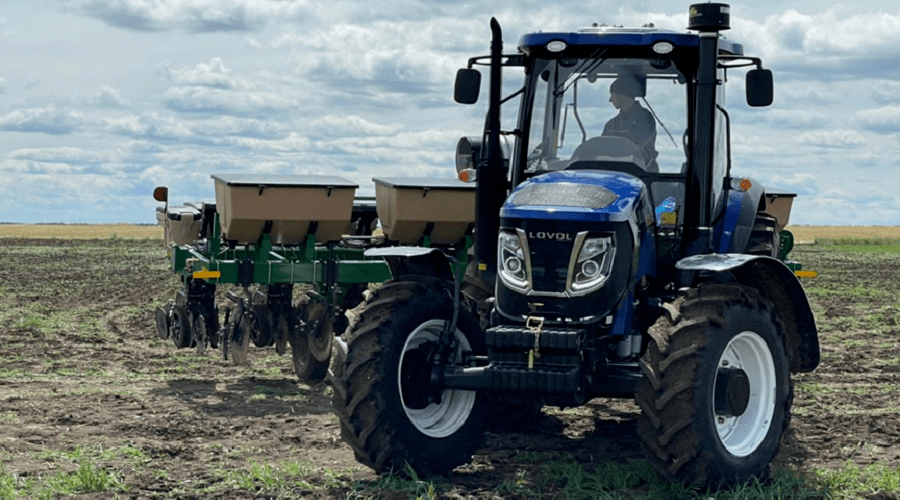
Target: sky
[(102, 100)]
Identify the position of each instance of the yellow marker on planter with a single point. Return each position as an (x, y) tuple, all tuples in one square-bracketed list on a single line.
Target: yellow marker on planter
[(806, 274), (203, 275)]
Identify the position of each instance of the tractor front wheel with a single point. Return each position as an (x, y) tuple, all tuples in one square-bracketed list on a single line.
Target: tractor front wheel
[(390, 414), (716, 393)]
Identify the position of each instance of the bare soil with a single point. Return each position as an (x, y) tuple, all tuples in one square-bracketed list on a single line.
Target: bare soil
[(81, 368)]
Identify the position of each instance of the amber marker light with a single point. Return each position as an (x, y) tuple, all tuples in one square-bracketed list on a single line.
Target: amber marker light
[(207, 274), (466, 175), (741, 184)]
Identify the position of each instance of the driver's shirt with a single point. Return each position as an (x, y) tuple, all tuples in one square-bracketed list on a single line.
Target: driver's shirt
[(638, 126)]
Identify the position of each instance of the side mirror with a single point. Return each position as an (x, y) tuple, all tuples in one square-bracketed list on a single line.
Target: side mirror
[(161, 194), (759, 87), (467, 87)]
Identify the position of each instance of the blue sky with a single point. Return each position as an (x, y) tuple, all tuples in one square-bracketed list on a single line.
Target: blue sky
[(101, 100)]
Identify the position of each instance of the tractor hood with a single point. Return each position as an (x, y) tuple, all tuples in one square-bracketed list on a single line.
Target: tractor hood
[(546, 226), (577, 195)]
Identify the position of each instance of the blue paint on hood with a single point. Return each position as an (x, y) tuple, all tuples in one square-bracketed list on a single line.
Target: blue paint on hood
[(576, 195)]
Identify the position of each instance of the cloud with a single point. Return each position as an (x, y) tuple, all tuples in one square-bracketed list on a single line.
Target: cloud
[(802, 184), (212, 100), (350, 126), (831, 138), (884, 120), (170, 129), (148, 126), (212, 74), (194, 16), (885, 92), (49, 120), (109, 97), (212, 88), (833, 42), (790, 118), (68, 155), (393, 57)]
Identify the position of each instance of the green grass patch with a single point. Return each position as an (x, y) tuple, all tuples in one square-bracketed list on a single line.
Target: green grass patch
[(88, 478), (861, 245), (853, 481), (406, 484), (279, 480)]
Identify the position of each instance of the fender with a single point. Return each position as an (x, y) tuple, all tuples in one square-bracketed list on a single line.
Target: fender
[(414, 261), (776, 282)]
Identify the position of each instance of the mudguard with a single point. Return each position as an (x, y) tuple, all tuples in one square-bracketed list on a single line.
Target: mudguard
[(414, 261), (776, 282)]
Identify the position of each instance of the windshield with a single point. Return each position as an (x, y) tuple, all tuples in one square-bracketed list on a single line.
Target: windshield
[(606, 109)]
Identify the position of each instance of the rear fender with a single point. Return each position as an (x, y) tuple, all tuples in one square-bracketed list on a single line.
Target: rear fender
[(414, 261), (776, 282)]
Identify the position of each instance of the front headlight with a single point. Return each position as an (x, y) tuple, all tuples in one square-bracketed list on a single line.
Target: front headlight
[(511, 261), (594, 263)]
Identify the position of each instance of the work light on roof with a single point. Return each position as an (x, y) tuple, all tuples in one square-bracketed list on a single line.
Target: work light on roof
[(556, 46), (663, 48)]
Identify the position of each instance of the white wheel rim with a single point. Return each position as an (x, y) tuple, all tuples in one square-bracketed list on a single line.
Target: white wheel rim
[(742, 435), (444, 419)]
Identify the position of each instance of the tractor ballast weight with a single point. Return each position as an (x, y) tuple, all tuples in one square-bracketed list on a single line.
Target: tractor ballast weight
[(607, 263)]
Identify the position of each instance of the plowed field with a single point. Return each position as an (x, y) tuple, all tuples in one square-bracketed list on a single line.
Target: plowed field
[(87, 387)]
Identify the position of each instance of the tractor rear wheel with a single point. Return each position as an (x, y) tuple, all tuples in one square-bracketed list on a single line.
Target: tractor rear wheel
[(389, 413), (716, 393)]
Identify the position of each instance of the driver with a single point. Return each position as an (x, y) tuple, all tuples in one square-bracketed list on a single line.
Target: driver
[(633, 121)]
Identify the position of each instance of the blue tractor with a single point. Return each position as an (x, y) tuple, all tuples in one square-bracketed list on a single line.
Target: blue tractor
[(614, 256)]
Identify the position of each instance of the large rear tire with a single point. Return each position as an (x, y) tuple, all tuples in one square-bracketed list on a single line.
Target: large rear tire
[(380, 382), (716, 394)]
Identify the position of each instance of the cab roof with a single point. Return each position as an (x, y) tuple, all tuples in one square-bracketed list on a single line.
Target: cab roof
[(606, 36)]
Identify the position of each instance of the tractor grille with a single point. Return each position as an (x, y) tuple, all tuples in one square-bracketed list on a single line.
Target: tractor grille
[(549, 264)]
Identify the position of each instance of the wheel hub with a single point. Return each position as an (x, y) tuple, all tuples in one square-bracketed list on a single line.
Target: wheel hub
[(415, 378), (732, 392)]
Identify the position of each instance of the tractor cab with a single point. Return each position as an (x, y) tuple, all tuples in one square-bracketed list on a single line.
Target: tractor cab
[(622, 100)]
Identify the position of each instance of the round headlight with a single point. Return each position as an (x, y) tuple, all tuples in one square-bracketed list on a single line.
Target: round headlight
[(590, 269)]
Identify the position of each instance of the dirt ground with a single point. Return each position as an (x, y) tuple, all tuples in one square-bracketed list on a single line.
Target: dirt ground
[(84, 377)]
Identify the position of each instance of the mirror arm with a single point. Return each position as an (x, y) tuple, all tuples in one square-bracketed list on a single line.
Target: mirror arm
[(743, 62), (507, 60)]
